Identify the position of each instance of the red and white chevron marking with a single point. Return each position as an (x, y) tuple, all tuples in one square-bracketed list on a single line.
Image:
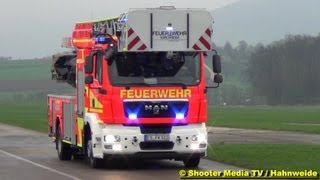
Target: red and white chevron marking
[(134, 42), (204, 42)]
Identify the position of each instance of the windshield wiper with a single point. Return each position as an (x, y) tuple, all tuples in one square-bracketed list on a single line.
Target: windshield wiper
[(184, 86), (129, 85)]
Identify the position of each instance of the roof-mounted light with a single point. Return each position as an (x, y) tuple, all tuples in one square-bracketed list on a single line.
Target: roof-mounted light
[(102, 40)]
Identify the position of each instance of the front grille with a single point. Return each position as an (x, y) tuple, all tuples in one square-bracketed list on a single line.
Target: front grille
[(156, 145), (155, 129)]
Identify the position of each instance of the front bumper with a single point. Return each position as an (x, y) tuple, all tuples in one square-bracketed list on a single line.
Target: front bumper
[(130, 142)]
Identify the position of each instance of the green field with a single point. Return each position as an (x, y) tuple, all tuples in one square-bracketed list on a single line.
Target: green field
[(27, 115), (268, 156), (25, 70), (271, 118), (302, 119)]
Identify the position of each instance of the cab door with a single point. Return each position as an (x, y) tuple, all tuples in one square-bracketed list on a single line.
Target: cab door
[(96, 91)]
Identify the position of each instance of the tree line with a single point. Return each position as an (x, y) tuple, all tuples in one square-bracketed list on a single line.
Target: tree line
[(287, 71), (284, 72)]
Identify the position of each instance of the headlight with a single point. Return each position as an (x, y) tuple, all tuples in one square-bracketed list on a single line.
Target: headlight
[(112, 138), (200, 137)]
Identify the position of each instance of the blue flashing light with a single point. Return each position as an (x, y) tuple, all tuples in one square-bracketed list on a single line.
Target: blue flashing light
[(179, 116), (100, 39), (169, 28), (133, 116), (124, 20)]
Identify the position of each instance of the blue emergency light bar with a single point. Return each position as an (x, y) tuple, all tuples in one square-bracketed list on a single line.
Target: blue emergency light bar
[(102, 40)]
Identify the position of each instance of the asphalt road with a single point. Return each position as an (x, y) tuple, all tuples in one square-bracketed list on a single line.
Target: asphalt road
[(27, 154)]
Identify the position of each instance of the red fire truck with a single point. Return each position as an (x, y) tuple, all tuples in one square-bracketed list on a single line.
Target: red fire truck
[(140, 89)]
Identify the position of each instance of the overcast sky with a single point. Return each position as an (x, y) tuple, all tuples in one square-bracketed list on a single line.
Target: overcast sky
[(34, 28)]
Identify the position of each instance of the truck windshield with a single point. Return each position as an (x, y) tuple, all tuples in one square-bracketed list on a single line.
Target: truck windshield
[(161, 68)]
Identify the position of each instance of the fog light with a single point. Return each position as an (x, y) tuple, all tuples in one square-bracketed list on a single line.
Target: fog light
[(117, 147), (202, 145), (194, 146), (107, 146)]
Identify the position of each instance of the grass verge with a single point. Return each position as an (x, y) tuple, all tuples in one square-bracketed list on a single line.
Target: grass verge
[(30, 115), (303, 119), (268, 156)]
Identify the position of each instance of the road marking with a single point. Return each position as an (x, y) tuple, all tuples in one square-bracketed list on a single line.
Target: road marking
[(39, 165)]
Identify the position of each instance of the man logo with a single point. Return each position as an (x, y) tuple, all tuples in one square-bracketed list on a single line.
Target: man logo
[(156, 108)]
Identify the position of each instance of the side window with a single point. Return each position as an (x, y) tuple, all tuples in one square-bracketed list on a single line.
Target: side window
[(98, 70)]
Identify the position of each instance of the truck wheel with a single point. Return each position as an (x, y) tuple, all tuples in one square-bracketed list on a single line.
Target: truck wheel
[(63, 149), (94, 162), (193, 162)]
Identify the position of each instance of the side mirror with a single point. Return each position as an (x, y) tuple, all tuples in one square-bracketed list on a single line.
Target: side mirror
[(218, 79), (88, 80), (216, 64), (88, 66)]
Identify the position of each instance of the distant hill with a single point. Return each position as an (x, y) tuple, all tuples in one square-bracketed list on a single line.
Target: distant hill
[(265, 20)]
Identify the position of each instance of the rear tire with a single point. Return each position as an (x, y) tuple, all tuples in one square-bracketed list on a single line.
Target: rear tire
[(63, 149), (192, 162)]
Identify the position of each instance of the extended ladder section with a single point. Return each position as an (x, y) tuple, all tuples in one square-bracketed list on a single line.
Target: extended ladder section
[(165, 29)]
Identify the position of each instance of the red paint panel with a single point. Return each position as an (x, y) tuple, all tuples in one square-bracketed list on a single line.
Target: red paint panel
[(204, 42), (196, 47), (133, 42), (208, 32), (130, 32), (142, 47)]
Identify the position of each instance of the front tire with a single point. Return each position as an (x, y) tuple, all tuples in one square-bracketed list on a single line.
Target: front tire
[(63, 149), (192, 162), (93, 162)]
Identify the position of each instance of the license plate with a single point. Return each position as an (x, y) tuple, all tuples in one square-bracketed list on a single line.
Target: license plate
[(157, 137)]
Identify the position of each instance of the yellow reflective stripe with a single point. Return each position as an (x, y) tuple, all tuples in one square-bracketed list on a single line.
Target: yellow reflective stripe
[(80, 61), (97, 104), (96, 110), (65, 141), (80, 130), (81, 40), (100, 121), (87, 91)]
